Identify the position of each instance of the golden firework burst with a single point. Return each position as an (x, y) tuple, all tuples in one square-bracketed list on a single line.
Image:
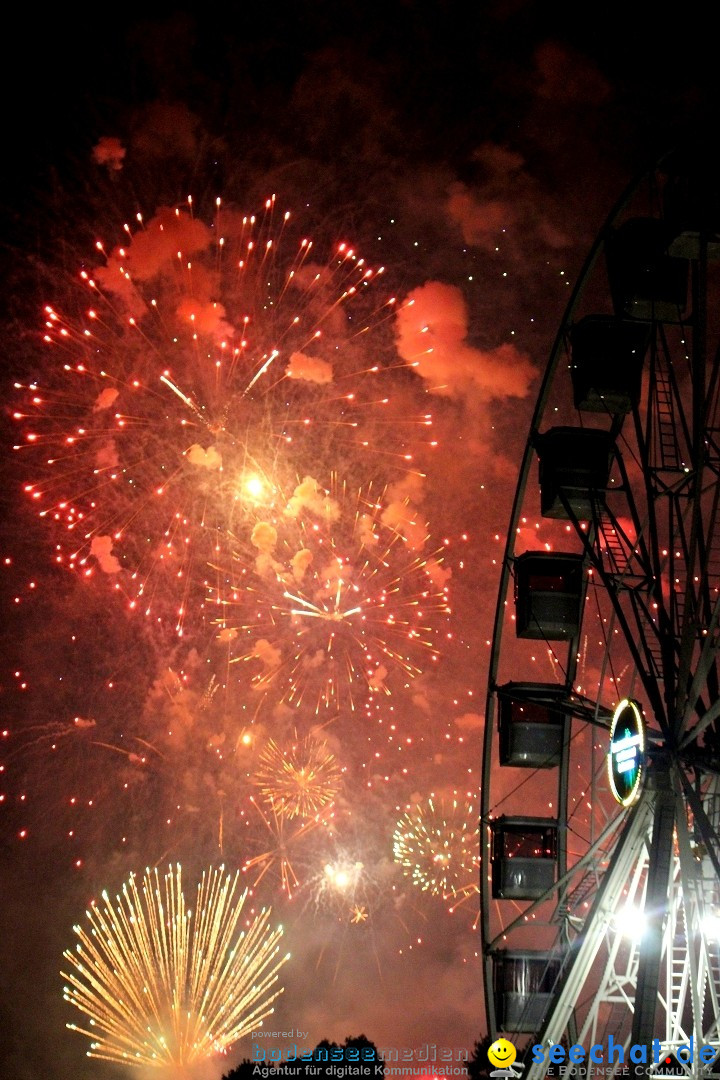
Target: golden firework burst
[(163, 985)]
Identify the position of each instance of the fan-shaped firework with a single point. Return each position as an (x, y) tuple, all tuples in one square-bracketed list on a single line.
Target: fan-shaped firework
[(298, 779), (334, 595), (205, 358), (436, 844), (164, 985)]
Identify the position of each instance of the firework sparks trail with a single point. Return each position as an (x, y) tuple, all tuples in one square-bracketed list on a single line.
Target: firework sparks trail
[(300, 779), (354, 891), (213, 359), (341, 882), (334, 596), (437, 845), (175, 437), (276, 856), (164, 985), (353, 878)]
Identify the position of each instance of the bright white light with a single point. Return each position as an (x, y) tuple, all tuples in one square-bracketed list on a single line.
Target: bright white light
[(342, 877), (253, 486), (630, 921), (710, 925)]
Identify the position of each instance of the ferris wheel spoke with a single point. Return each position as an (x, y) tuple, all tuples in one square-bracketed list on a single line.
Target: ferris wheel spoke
[(580, 963), (703, 686), (569, 886), (706, 816), (699, 985), (627, 571), (658, 880)]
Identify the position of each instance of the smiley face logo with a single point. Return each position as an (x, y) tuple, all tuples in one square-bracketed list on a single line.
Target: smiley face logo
[(501, 1054)]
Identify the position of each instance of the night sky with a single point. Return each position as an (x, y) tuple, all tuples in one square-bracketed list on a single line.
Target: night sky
[(474, 154)]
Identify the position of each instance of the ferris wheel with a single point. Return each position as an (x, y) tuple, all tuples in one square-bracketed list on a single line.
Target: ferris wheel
[(600, 809)]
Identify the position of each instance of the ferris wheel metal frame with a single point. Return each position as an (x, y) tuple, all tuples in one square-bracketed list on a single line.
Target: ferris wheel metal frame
[(622, 895)]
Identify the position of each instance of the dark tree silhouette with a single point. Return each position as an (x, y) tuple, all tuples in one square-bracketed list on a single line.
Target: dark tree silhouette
[(477, 1066), (243, 1071)]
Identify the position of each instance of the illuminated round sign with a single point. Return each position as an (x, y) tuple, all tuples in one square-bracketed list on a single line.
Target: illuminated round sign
[(626, 756)]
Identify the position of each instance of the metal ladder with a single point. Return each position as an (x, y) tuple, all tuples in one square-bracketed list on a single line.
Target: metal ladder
[(667, 440)]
